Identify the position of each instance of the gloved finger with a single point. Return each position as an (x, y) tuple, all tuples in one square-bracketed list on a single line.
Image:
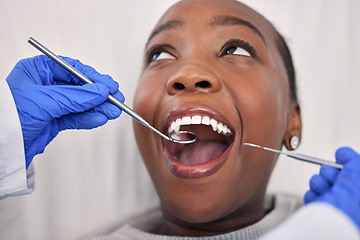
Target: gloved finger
[(329, 173), (119, 95), (309, 196), (63, 75), (60, 74), (85, 120), (109, 109), (62, 100), (318, 184), (105, 79), (350, 175), (346, 154)]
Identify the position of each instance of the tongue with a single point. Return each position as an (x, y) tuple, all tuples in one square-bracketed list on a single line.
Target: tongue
[(201, 152)]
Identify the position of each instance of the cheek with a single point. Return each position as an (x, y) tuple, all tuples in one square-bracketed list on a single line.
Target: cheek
[(262, 102), (150, 95), (148, 101), (266, 115), (145, 99)]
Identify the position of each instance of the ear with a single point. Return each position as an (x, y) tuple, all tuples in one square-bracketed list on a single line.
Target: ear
[(293, 127)]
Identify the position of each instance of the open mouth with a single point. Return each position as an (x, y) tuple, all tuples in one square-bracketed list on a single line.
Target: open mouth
[(214, 138), (204, 156)]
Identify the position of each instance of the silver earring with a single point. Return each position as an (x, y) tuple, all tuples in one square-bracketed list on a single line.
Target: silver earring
[(294, 142)]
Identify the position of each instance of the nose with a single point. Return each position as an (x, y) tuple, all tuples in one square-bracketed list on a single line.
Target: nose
[(193, 79)]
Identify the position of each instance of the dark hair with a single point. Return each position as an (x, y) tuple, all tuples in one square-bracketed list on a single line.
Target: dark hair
[(289, 66)]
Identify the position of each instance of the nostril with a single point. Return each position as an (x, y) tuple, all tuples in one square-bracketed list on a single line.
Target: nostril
[(203, 84), (179, 86)]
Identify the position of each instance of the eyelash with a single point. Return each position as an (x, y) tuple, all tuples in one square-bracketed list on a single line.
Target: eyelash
[(156, 49), (238, 43), (231, 43)]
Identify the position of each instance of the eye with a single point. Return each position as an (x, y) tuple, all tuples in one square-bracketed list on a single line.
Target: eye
[(238, 47), (160, 52), (237, 51), (161, 55)]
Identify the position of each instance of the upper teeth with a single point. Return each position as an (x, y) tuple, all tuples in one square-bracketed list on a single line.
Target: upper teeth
[(197, 119)]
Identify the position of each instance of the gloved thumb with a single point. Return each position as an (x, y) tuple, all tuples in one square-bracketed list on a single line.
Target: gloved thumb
[(72, 99)]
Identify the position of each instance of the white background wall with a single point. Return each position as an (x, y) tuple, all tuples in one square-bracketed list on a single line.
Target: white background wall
[(86, 180)]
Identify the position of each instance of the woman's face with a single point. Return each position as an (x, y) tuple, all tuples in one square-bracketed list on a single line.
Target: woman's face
[(212, 67)]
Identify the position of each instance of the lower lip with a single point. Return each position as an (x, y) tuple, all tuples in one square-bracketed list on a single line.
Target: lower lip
[(198, 171)]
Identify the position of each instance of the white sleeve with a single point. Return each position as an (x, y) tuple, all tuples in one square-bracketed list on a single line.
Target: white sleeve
[(14, 178), (316, 221)]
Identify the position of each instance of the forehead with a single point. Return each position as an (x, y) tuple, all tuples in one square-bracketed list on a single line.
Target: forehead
[(197, 13)]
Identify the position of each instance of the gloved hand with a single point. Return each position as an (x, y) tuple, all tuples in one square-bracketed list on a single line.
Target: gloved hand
[(49, 100), (340, 188)]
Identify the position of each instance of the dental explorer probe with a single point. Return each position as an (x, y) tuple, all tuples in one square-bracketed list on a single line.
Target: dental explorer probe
[(300, 157), (111, 98)]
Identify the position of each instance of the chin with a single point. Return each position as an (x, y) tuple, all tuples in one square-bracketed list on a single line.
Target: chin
[(203, 210), (207, 180)]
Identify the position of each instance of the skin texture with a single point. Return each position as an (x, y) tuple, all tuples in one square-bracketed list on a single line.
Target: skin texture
[(252, 92)]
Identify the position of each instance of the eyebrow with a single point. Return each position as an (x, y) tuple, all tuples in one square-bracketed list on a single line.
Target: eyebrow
[(217, 20), (166, 26), (230, 21)]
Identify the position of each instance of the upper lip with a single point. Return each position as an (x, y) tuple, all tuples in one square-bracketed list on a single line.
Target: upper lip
[(192, 109)]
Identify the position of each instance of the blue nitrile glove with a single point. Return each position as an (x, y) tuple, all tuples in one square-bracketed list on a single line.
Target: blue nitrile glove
[(340, 188), (49, 100)]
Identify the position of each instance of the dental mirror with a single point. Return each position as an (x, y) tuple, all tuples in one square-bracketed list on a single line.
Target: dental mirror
[(183, 137)]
